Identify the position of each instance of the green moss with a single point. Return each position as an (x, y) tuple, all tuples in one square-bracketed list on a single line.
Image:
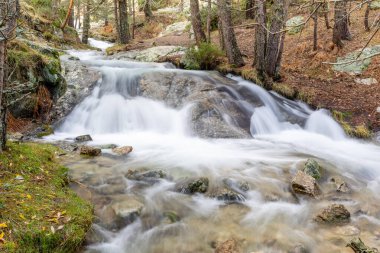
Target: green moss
[(205, 57), (360, 131), (284, 90), (47, 130), (40, 212)]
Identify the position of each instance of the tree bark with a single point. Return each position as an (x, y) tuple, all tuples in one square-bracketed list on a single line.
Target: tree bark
[(315, 34), (77, 16), (260, 38), (133, 19), (325, 9), (220, 31), (9, 11), (341, 31), (249, 9), (148, 9), (208, 21), (230, 44), (116, 13), (123, 20), (196, 22), (69, 16), (279, 9), (86, 22)]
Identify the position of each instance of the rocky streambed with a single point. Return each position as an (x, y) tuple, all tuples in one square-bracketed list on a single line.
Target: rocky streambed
[(218, 165)]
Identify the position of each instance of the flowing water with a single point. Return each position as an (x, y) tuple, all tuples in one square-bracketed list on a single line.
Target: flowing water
[(268, 217)]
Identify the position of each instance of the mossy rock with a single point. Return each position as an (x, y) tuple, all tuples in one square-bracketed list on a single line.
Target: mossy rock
[(375, 5), (295, 25), (312, 168), (354, 64)]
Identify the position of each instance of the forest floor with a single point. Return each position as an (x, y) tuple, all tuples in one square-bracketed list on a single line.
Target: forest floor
[(303, 69)]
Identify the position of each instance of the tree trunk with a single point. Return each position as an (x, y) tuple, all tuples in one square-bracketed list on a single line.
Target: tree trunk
[(181, 5), (123, 19), (117, 25), (341, 31), (9, 11), (208, 21), (196, 22), (325, 9), (148, 10), (315, 35), (230, 44), (69, 16), (366, 23), (260, 39), (220, 30), (279, 10), (86, 22), (133, 19), (249, 9)]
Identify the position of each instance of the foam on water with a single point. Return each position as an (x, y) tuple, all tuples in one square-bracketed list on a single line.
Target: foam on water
[(115, 113)]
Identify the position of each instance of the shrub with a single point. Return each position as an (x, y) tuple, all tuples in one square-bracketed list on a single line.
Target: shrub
[(206, 57), (213, 15)]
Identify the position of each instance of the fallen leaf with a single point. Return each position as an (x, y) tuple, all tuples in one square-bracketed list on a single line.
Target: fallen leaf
[(28, 196), (60, 227), (52, 229), (3, 225), (22, 216)]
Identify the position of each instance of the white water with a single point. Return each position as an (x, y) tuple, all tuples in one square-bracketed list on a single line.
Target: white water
[(114, 113)]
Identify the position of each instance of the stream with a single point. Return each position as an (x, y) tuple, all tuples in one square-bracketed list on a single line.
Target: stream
[(249, 146)]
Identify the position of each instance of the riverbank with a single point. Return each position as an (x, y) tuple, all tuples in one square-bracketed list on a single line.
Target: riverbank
[(38, 210)]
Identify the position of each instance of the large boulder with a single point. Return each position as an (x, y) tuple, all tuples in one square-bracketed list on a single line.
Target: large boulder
[(210, 102), (295, 25), (151, 54), (334, 214), (305, 184)]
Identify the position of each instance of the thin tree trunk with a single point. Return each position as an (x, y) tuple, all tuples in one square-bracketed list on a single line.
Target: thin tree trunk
[(208, 21), (69, 15), (9, 11), (260, 39), (123, 19), (315, 35), (221, 37), (86, 22), (325, 10), (148, 10), (116, 13), (341, 31), (249, 9), (196, 22), (133, 19), (366, 22), (181, 5)]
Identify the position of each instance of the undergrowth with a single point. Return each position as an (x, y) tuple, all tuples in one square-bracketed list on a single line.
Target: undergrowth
[(206, 57)]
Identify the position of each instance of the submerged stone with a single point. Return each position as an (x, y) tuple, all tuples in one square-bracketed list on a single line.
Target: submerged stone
[(83, 138), (303, 183), (358, 246), (192, 185), (90, 151), (125, 150), (227, 195), (334, 214), (151, 176), (229, 246), (312, 168), (341, 186)]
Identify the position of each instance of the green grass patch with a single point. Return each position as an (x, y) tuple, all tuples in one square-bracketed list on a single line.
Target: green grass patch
[(38, 211)]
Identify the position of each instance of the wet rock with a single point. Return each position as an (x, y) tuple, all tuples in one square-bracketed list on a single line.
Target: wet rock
[(226, 195), (111, 189), (347, 230), (151, 176), (96, 235), (90, 151), (106, 216), (229, 246), (236, 185), (305, 184), (127, 209), (171, 216), (122, 150), (299, 249), (107, 146), (341, 186), (83, 138), (67, 146), (312, 168), (192, 185), (73, 58), (151, 54), (334, 214), (358, 246)]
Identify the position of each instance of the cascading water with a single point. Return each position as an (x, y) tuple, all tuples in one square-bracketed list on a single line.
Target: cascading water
[(270, 219)]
